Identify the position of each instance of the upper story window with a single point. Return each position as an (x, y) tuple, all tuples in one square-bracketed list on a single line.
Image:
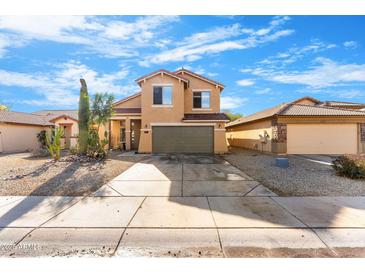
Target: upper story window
[(162, 95), (201, 99)]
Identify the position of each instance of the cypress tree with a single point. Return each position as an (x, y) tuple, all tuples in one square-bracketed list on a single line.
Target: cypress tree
[(84, 117)]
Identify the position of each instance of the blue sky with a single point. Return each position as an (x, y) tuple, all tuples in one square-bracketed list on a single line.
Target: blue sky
[(262, 60)]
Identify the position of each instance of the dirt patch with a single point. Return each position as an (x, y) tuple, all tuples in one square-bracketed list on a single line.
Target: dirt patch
[(23, 175), (301, 178)]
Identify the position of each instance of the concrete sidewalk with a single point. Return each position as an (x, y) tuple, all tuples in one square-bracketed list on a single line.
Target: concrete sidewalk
[(183, 226), (186, 206)]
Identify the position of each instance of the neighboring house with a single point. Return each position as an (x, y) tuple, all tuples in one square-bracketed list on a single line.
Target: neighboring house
[(305, 126), (18, 130), (175, 112), (68, 120)]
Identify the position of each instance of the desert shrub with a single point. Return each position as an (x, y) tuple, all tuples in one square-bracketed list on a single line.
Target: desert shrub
[(351, 166), (74, 150), (41, 136), (53, 141), (96, 147)]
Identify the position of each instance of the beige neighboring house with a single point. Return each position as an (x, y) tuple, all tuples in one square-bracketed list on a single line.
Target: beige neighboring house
[(18, 131), (305, 126), (175, 112), (68, 121)]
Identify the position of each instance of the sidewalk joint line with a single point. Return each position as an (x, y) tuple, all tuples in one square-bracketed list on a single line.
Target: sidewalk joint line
[(216, 227), (300, 220), (19, 241), (125, 229), (251, 190)]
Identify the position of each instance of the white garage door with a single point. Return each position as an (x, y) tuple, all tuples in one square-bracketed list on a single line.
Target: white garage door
[(321, 138)]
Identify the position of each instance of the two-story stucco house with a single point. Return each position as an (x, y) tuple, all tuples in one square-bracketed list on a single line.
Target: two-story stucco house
[(175, 112)]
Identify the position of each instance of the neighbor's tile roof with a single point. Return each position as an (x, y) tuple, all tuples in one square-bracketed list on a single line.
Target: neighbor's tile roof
[(23, 118), (292, 109), (51, 114), (337, 103), (258, 115), (127, 110), (309, 110), (206, 117)]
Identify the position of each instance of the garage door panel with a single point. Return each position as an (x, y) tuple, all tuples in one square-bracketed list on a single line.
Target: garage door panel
[(182, 139), (321, 138)]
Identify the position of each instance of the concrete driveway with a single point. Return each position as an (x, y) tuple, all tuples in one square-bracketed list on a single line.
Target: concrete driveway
[(182, 206)]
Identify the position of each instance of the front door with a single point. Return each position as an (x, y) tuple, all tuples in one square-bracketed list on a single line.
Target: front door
[(135, 133)]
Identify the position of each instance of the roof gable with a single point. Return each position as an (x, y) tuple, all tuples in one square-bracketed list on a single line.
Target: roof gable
[(162, 72), (201, 77), (306, 98), (133, 96)]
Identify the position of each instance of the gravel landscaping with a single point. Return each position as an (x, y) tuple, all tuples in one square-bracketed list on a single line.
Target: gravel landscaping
[(21, 174), (302, 178)]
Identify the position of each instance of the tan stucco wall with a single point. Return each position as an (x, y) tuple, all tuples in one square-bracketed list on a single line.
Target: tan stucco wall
[(74, 130), (131, 103), (19, 138), (322, 138), (248, 135), (200, 85), (167, 114), (115, 133), (220, 143), (159, 114)]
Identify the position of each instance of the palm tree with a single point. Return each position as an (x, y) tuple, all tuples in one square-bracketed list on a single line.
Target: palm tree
[(102, 110)]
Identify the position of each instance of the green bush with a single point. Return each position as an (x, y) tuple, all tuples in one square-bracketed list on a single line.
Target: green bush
[(54, 143), (96, 147), (351, 166)]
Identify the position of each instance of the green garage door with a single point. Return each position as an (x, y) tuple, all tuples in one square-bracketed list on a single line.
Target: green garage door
[(182, 139)]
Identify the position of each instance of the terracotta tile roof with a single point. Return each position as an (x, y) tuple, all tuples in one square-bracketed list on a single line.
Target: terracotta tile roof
[(314, 100), (337, 103), (309, 110), (51, 114), (161, 71), (14, 117), (206, 117), (127, 110), (198, 76), (258, 115)]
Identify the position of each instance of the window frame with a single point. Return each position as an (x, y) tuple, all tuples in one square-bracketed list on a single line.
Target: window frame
[(153, 95), (201, 91)]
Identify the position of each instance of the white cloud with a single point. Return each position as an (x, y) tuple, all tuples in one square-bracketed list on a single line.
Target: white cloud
[(351, 44), (212, 74), (110, 38), (218, 40), (245, 82), (263, 91), (324, 74), (61, 86), (296, 53), (350, 94), (232, 102)]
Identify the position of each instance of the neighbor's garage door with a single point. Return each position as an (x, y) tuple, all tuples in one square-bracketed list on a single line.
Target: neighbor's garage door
[(182, 139), (321, 138)]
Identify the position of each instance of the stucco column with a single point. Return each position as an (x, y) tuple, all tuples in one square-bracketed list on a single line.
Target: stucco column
[(127, 133), (279, 137), (115, 134), (362, 138)]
